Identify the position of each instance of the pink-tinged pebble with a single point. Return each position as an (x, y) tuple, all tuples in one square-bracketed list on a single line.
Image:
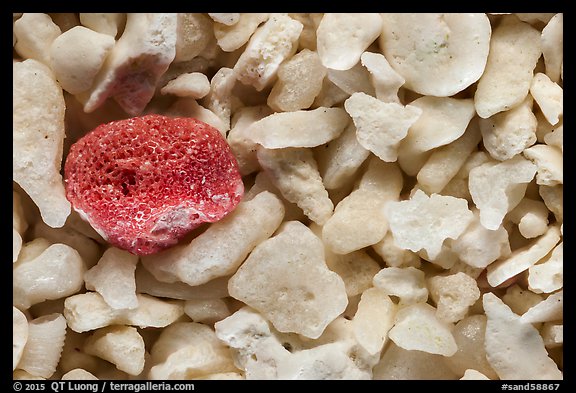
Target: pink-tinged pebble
[(144, 182)]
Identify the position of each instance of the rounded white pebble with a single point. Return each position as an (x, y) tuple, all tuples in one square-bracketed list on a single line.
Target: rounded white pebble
[(195, 85), (417, 328), (77, 55)]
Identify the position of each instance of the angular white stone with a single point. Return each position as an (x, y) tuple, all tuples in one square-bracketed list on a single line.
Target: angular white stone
[(417, 328), (34, 33), (548, 276), (340, 158), (479, 247), (223, 246), (294, 172), (453, 295), (193, 36), (550, 162), (523, 258), (113, 278), (270, 45), (425, 222), (514, 348), (233, 37), (120, 345), (299, 82), (552, 41), (358, 220), (286, 275), (380, 126), (219, 99), (347, 82), (549, 97), (406, 283), (549, 309), (553, 197), (442, 121), (508, 133), (299, 128), (342, 38), (248, 333), (458, 185), (89, 311), (446, 161), (373, 319), (56, 273), (195, 85), (386, 81), (325, 362), (497, 188), (37, 138), (136, 63), (514, 52)]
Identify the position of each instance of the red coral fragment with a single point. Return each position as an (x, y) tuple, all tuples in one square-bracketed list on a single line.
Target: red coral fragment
[(144, 182)]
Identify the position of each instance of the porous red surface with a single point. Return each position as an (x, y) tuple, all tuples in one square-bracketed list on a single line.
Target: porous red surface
[(144, 182)]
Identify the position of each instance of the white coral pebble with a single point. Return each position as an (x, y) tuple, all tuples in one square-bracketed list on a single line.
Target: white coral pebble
[(135, 63), (424, 222), (286, 275), (77, 55), (417, 328), (514, 348), (341, 38)]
